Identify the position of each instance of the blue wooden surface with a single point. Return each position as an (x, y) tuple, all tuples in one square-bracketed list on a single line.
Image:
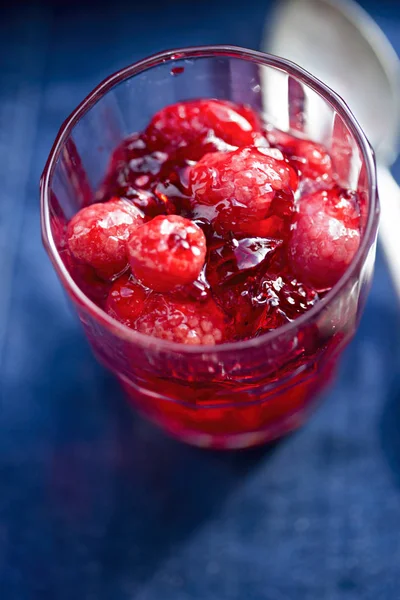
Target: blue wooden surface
[(95, 504)]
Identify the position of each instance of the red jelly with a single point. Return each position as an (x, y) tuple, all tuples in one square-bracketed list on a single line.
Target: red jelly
[(211, 227)]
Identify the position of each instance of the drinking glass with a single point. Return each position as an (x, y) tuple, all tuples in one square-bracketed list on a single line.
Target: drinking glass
[(234, 394)]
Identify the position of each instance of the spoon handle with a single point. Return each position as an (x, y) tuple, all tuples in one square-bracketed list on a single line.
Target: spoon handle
[(389, 228)]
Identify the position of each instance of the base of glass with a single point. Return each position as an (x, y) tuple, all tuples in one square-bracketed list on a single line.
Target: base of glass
[(229, 440), (235, 441), (222, 427)]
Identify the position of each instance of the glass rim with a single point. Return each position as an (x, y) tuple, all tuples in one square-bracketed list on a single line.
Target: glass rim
[(209, 51)]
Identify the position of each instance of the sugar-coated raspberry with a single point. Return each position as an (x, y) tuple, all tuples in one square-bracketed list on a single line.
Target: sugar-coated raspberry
[(325, 237), (97, 235), (241, 185), (184, 322), (189, 123), (126, 300), (167, 252)]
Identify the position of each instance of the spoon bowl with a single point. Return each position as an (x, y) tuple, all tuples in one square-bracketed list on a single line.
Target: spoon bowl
[(341, 45), (338, 42)]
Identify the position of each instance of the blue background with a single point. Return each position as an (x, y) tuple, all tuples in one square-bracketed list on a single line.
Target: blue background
[(95, 504)]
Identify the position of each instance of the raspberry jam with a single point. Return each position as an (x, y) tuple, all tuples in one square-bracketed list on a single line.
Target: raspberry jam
[(211, 227)]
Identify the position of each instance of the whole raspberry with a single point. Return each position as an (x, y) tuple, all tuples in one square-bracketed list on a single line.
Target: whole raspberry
[(241, 185), (190, 123), (312, 159), (182, 321), (125, 300), (97, 235), (167, 252), (325, 237)]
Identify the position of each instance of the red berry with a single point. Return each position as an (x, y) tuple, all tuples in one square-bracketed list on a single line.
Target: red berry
[(97, 235), (189, 123), (126, 300), (167, 252), (86, 278), (241, 185), (184, 322), (278, 138), (312, 159), (325, 237)]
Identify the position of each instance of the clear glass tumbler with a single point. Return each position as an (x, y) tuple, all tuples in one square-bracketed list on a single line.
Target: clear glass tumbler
[(235, 394)]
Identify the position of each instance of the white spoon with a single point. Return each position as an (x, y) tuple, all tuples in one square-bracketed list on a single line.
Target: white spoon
[(338, 42)]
